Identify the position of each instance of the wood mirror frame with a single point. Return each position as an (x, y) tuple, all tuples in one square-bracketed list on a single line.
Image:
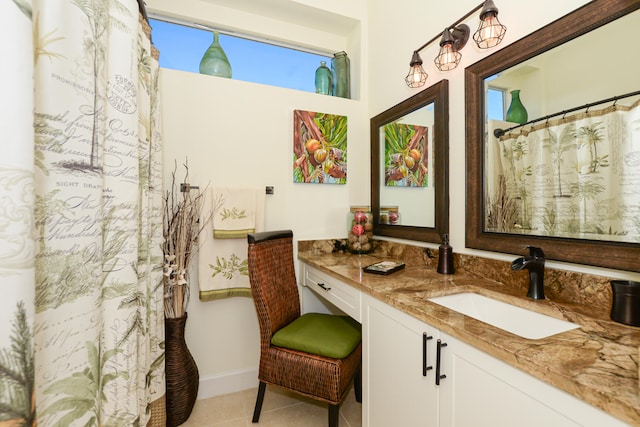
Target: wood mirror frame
[(438, 94), (608, 254)]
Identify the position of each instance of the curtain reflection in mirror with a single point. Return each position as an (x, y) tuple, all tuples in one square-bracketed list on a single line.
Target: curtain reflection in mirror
[(576, 176)]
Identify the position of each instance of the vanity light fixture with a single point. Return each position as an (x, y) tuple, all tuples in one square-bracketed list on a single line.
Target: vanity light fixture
[(452, 41), (489, 34), (490, 31), (417, 75)]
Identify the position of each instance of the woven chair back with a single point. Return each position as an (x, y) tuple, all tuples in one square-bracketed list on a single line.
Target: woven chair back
[(273, 284)]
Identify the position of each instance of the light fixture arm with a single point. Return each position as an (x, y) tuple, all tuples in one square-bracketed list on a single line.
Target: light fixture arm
[(454, 38), (452, 27)]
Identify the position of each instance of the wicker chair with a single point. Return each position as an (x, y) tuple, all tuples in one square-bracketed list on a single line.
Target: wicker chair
[(275, 293)]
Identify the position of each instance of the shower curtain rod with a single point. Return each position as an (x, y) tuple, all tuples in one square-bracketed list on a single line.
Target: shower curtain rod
[(500, 132)]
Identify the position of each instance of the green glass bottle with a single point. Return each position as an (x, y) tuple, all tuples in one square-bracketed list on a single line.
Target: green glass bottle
[(516, 113), (323, 79), (214, 62), (341, 75)]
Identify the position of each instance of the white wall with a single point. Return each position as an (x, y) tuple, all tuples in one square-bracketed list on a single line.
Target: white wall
[(239, 133), (397, 28), (555, 81)]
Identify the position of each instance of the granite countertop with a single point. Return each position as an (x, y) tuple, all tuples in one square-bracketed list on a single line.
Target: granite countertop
[(597, 363)]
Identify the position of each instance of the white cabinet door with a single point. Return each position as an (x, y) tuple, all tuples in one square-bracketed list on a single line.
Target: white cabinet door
[(480, 390), (398, 383)]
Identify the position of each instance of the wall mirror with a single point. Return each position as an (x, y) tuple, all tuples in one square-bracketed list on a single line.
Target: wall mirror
[(564, 178), (409, 167)]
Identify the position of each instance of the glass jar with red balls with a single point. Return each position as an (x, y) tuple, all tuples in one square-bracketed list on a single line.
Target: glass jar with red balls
[(360, 230), (389, 215)]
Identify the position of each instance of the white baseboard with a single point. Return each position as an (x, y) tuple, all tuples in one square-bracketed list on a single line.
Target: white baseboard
[(229, 382)]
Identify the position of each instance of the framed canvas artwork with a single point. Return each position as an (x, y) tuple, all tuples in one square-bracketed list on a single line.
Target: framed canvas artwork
[(319, 148)]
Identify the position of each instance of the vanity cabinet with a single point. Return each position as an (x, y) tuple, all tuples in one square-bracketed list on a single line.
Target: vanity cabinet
[(473, 388), (480, 387), (400, 373), (399, 368), (466, 388)]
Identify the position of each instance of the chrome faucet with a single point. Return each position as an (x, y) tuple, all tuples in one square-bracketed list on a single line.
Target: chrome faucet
[(535, 264)]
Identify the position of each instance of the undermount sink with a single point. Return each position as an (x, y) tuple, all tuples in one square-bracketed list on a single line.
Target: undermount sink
[(511, 318)]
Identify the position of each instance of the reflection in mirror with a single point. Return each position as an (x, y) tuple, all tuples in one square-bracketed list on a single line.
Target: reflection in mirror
[(409, 167), (564, 178), (405, 180), (571, 169)]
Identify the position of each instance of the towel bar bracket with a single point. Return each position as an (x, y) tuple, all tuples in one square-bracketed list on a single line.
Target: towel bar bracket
[(185, 187)]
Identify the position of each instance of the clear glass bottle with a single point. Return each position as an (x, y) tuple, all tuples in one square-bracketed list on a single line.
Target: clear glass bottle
[(324, 79), (341, 75), (360, 230), (214, 62)]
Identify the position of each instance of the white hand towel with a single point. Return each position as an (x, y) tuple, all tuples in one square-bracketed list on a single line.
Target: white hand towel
[(234, 212), (222, 262)]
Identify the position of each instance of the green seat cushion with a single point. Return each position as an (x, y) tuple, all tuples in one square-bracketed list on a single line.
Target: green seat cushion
[(321, 334)]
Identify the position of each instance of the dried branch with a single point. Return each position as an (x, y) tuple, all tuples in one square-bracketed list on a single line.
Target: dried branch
[(182, 226)]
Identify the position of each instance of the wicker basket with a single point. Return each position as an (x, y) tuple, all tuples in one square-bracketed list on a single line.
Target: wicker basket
[(181, 373), (158, 417)]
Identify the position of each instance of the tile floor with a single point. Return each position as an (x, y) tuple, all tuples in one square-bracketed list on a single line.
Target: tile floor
[(279, 409)]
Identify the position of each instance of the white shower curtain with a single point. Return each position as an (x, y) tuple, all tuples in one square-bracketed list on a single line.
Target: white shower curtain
[(17, 273), (572, 177), (81, 190)]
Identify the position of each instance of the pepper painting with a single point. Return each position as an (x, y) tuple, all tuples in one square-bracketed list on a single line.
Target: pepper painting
[(319, 148), (406, 155)]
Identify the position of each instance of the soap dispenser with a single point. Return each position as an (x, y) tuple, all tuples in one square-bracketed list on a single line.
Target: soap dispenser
[(445, 256)]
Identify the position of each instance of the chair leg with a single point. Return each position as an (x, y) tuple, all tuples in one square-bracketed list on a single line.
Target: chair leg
[(334, 414), (357, 385), (256, 412)]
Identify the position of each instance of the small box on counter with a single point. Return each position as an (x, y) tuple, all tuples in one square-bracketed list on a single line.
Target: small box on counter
[(384, 267)]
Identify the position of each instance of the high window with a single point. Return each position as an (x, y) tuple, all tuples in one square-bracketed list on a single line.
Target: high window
[(495, 103), (182, 47)]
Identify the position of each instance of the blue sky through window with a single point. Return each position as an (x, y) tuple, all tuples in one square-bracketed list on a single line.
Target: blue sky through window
[(181, 48), (495, 101)]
